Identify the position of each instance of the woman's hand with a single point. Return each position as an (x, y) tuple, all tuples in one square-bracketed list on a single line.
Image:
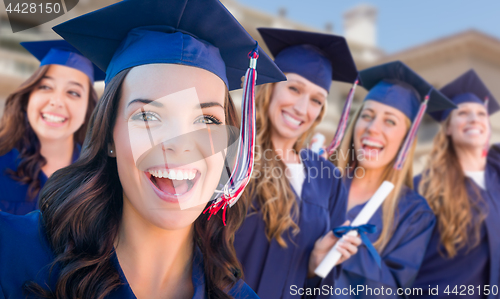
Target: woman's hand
[(348, 247)]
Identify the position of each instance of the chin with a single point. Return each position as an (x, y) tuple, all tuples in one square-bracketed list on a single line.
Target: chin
[(174, 220)]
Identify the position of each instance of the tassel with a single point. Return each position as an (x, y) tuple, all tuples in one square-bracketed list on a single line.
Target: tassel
[(398, 165), (339, 134), (243, 167), (487, 145)]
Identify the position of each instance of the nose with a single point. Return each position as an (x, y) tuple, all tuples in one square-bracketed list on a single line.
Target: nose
[(373, 127), (56, 99), (180, 143), (301, 104)]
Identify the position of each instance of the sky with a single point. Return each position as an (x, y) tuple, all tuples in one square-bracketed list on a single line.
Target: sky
[(401, 24)]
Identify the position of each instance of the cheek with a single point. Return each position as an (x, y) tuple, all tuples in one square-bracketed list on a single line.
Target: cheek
[(313, 111), (359, 128), (35, 105)]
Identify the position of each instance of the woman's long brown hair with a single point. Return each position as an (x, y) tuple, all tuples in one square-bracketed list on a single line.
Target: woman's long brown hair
[(273, 193), (82, 209), (443, 184), (345, 158), (16, 132)]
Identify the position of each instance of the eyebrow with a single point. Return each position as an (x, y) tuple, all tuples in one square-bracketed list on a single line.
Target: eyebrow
[(210, 104), (146, 101), (296, 81), (71, 82)]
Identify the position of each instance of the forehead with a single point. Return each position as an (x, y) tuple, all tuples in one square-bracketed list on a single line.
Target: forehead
[(378, 107), (65, 73), (471, 105), (154, 81), (313, 87)]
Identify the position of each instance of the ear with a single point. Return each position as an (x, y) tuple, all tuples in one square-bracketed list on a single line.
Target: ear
[(111, 150)]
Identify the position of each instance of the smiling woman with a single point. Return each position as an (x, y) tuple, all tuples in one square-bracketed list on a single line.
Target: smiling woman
[(125, 220), (44, 123)]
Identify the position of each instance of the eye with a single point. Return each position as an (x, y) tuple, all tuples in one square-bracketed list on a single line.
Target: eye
[(145, 116), (208, 120), (294, 89), (462, 112), (366, 117), (482, 113), (43, 87), (390, 122), (317, 102), (74, 93)]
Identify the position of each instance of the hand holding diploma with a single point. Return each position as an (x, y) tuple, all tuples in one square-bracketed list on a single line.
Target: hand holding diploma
[(335, 255)]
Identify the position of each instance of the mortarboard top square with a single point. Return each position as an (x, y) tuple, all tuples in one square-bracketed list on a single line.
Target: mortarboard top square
[(318, 57), (467, 88), (398, 86), (199, 33), (62, 53)]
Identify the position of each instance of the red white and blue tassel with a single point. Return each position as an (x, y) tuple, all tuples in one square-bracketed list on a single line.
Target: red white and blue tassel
[(403, 152), (243, 167), (344, 118)]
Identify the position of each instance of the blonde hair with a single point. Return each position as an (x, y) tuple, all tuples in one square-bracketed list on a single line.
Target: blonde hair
[(443, 184), (398, 178), (274, 195)]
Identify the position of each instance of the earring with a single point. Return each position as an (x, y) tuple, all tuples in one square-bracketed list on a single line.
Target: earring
[(111, 151)]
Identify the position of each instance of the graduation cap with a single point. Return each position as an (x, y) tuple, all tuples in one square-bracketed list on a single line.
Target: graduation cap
[(468, 88), (197, 33), (318, 57), (398, 86), (62, 53)]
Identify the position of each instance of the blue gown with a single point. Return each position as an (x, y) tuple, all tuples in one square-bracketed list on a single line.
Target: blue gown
[(478, 267), (14, 196), (401, 257), (272, 270), (25, 255)]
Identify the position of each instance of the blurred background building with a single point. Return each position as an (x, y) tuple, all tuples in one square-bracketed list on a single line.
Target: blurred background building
[(438, 61)]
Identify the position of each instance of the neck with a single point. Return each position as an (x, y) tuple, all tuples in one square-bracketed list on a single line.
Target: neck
[(58, 154), (364, 186), (284, 148), (153, 259), (471, 158)]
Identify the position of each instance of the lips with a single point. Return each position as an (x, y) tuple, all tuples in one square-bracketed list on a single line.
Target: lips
[(53, 119), (371, 147), (291, 120), (172, 185)]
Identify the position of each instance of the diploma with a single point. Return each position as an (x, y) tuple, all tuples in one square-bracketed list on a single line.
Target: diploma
[(363, 217)]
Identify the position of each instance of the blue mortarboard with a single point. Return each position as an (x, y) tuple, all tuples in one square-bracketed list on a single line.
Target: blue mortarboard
[(199, 33), (398, 86), (468, 88), (62, 53), (318, 57)]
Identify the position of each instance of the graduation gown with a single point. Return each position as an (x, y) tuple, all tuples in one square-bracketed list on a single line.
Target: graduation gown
[(272, 270), (14, 197), (401, 257), (25, 255), (479, 266)]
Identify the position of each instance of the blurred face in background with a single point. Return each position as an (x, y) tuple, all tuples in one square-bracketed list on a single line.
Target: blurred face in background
[(378, 134), (469, 126), (295, 105), (58, 104)]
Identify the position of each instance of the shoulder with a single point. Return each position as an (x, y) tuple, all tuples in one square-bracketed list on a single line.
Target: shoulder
[(242, 291), (315, 162), (23, 243), (414, 204), (9, 160)]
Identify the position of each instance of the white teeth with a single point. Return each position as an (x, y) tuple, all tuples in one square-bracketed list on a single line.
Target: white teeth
[(372, 143), (173, 174), (53, 118), (473, 131), (291, 119)]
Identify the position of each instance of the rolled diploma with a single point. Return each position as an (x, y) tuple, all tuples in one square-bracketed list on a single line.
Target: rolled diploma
[(363, 217)]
